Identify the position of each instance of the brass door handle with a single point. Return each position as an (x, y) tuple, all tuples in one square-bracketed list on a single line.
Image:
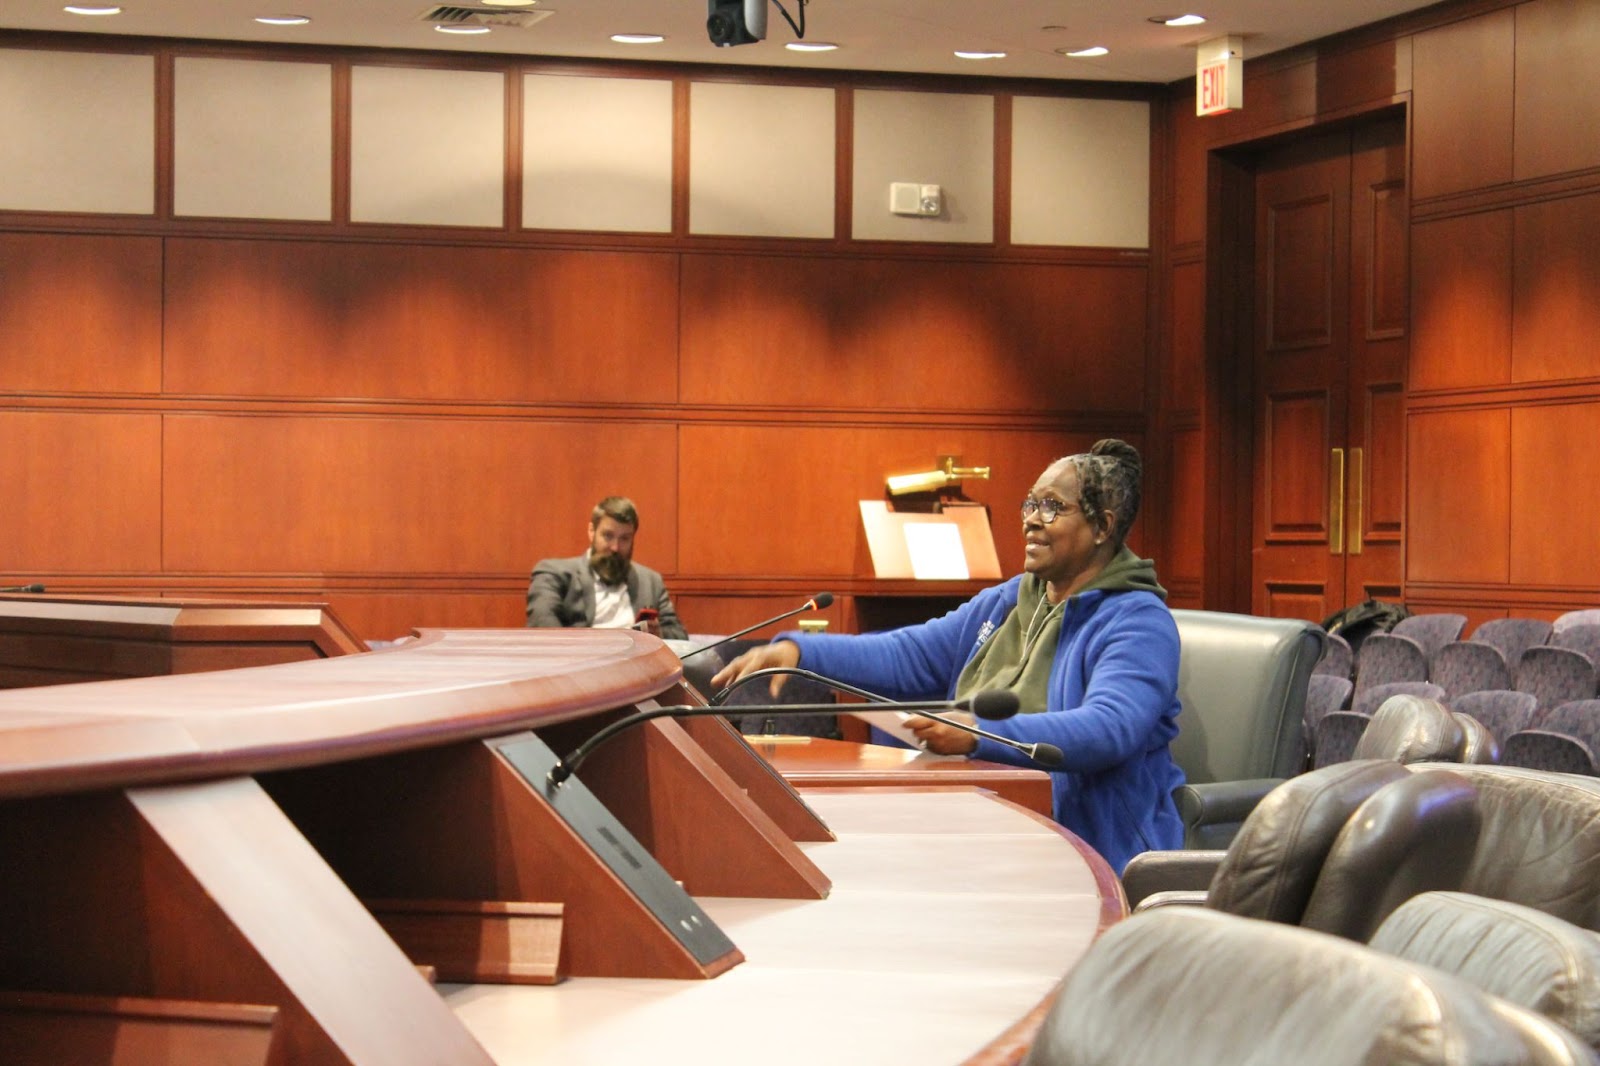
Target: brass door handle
[(1336, 502), (1353, 544)]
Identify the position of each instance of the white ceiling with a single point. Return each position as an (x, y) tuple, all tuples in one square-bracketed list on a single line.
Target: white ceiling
[(879, 35)]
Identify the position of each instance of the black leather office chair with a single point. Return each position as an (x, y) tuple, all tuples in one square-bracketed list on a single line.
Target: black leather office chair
[(1243, 683), (1191, 986), (1517, 953), (1335, 850)]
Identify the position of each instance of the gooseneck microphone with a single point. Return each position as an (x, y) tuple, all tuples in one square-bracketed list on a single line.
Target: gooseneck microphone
[(989, 704), (815, 603), (35, 587)]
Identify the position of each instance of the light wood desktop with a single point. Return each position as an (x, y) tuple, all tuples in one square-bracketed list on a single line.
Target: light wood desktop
[(815, 762)]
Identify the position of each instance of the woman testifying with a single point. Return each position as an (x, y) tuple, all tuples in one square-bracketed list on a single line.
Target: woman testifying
[(1083, 637)]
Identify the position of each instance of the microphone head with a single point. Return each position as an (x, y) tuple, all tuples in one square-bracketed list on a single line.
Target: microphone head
[(1047, 755), (821, 600), (994, 704)]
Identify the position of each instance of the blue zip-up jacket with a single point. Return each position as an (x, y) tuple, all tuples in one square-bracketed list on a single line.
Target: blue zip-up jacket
[(1113, 704)]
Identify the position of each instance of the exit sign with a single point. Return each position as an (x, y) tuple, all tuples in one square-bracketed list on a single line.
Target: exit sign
[(1219, 76)]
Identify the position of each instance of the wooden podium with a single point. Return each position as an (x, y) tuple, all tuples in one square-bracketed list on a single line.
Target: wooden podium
[(953, 544)]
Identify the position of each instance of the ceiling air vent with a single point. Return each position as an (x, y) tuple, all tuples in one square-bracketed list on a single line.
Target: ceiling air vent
[(466, 15)]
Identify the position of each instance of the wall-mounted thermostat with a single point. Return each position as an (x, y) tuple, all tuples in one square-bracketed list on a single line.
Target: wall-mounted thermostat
[(909, 198)]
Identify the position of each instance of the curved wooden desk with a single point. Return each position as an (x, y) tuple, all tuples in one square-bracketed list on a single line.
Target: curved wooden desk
[(61, 640), (245, 848)]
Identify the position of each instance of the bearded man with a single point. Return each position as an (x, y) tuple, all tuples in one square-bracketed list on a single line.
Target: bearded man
[(604, 588)]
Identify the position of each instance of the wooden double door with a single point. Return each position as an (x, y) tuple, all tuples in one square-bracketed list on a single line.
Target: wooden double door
[(1330, 342)]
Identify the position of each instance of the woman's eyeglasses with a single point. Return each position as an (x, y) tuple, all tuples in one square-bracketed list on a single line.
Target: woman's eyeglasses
[(1047, 508)]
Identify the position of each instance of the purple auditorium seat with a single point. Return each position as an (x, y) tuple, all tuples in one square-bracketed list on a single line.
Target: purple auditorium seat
[(1501, 711), (1513, 636), (1464, 666), (1386, 658), (1432, 631), (1556, 675)]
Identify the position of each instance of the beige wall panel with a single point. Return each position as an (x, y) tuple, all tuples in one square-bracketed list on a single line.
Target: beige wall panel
[(404, 495), (77, 132), (82, 493), (252, 139), (427, 147), (1555, 512), (1080, 172), (596, 153), (944, 139), (761, 160)]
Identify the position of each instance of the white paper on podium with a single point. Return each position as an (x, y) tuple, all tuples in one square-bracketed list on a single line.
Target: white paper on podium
[(936, 552), (891, 722)]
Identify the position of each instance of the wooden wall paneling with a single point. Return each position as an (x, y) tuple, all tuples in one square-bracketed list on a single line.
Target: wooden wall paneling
[(81, 313), (875, 334), (1461, 125), (1555, 516), (775, 501), (1186, 379), (322, 319), (1461, 302), (1458, 501), (387, 615), (1383, 498), (1190, 136), (1295, 508), (1186, 554), (82, 492), (298, 494), (1556, 92), (707, 612), (1556, 307), (1278, 94), (1374, 72)]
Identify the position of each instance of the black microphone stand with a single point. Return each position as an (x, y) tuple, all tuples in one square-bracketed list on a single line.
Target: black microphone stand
[(567, 766), (991, 705), (815, 603)]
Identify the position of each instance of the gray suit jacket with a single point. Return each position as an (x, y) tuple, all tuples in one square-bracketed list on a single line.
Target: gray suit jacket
[(562, 594)]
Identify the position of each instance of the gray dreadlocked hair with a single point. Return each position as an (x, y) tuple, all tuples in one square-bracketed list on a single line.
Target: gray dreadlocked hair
[(1110, 476)]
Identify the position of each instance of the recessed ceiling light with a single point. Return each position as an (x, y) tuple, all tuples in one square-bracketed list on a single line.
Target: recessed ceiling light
[(283, 20), (1084, 53), (980, 55), (637, 38), (81, 9), (509, 3), (465, 30), (811, 46), (1179, 20)]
